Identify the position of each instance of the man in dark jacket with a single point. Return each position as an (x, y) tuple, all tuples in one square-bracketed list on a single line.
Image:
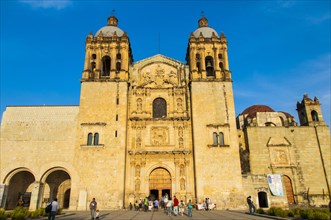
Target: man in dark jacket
[(251, 205)]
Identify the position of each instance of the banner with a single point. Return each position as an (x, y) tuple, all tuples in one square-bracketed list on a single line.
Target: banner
[(275, 184)]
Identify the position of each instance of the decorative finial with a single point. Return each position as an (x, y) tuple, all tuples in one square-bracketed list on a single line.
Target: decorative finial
[(202, 14), (113, 12)]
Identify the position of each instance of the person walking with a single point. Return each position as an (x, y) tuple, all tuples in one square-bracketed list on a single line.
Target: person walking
[(181, 207), (93, 208), (175, 206), (55, 206), (189, 208), (251, 205)]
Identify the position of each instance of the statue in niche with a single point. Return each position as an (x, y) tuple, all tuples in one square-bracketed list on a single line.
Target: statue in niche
[(137, 171), (180, 131), (138, 143), (181, 143), (179, 105), (181, 170), (137, 185), (182, 184), (139, 105)]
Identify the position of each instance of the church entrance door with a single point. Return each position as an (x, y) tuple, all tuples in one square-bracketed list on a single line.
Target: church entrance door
[(159, 183)]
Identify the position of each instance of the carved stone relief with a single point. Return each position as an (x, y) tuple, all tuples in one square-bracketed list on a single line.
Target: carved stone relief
[(279, 156), (159, 136)]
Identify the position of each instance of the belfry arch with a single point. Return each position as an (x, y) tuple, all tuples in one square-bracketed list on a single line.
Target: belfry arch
[(160, 183)]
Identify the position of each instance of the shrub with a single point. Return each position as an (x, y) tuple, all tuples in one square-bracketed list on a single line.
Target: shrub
[(307, 213), (260, 211), (290, 213), (2, 211), (3, 217), (19, 213), (275, 211), (320, 216)]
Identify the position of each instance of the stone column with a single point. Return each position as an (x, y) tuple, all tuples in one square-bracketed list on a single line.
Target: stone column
[(34, 196)]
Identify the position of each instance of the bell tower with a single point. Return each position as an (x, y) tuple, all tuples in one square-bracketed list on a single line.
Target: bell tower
[(309, 112), (108, 54), (207, 54), (215, 140), (101, 133)]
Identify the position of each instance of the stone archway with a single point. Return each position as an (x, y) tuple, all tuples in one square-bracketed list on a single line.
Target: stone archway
[(19, 186), (160, 183), (57, 185)]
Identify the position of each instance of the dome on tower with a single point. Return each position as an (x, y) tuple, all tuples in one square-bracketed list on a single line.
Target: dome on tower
[(204, 29), (111, 29)]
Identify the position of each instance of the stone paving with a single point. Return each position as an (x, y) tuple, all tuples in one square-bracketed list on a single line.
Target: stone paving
[(160, 215)]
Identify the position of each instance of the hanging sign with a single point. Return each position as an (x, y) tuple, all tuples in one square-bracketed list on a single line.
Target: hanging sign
[(275, 184)]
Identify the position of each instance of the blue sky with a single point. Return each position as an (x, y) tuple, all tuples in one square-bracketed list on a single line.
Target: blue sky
[(278, 50)]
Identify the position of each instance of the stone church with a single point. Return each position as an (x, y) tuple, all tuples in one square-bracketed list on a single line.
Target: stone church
[(160, 126)]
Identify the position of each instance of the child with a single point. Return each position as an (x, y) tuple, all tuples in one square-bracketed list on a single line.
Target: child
[(181, 207), (97, 214)]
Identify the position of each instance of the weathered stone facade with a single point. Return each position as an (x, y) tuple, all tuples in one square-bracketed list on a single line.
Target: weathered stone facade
[(160, 126)]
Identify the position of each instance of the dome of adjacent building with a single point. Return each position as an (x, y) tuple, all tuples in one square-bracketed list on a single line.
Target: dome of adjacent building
[(111, 29), (257, 108), (204, 29)]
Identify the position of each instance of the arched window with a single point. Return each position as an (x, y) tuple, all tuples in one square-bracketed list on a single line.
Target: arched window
[(199, 67), (209, 66), (215, 141), (159, 108), (94, 56), (314, 115), (96, 139), (221, 138), (118, 66), (89, 139), (106, 66), (220, 56), (93, 65), (118, 56), (221, 65)]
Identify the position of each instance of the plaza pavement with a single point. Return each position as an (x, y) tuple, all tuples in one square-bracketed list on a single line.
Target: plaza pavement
[(160, 215)]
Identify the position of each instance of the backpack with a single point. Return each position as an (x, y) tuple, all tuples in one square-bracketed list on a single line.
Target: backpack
[(48, 208)]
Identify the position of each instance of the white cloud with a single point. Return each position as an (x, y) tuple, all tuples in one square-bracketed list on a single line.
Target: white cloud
[(45, 4), (318, 20)]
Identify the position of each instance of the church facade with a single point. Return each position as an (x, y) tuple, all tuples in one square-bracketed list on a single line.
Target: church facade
[(159, 126)]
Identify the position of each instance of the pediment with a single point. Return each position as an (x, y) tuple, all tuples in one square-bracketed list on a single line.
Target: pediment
[(278, 141), (158, 72)]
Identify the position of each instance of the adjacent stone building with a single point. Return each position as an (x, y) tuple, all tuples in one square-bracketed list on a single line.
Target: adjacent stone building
[(159, 126)]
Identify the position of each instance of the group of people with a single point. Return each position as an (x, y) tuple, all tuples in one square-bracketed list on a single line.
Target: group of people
[(146, 204), (170, 207), (54, 207)]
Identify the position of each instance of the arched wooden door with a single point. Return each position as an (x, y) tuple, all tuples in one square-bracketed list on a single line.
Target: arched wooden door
[(159, 183), (289, 190)]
